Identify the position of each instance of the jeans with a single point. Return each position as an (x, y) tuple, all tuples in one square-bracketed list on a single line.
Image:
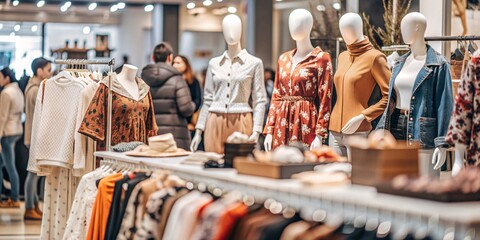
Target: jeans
[(7, 160), (398, 125), (31, 195), (337, 142)]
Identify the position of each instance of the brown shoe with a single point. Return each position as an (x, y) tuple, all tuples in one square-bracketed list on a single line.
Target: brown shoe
[(31, 214), (37, 209), (10, 204)]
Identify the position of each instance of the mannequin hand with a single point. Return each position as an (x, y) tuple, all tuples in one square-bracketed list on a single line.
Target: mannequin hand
[(268, 143), (459, 158), (317, 142), (254, 137), (439, 158), (352, 125), (196, 140)]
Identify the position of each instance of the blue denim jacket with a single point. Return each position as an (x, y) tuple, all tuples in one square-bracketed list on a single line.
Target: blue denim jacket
[(432, 101)]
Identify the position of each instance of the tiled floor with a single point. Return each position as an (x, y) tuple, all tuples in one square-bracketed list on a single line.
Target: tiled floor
[(12, 225)]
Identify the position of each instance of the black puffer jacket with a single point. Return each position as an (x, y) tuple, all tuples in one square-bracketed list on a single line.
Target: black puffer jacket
[(171, 100)]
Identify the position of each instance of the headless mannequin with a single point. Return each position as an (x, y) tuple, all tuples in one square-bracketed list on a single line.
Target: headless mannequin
[(351, 28), (232, 32), (127, 77), (300, 23), (413, 28)]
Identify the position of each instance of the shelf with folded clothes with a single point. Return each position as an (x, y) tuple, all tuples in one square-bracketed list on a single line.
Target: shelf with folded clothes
[(346, 201)]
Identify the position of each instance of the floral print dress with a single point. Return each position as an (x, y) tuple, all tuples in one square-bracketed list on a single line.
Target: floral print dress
[(465, 122), (298, 90)]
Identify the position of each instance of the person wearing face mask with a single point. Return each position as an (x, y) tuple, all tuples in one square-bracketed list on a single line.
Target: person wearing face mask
[(42, 69), (11, 109)]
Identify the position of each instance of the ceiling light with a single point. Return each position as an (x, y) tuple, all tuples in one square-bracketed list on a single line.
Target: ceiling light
[(17, 28), (63, 8), (86, 30), (121, 5), (34, 28), (278, 0), (232, 9), (219, 0), (40, 3), (15, 3), (92, 6), (67, 4), (1, 26), (207, 3), (191, 5), (12, 34), (113, 8), (149, 8), (337, 6), (321, 8)]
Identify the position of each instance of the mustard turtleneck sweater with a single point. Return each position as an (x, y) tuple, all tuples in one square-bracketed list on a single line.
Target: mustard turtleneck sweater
[(359, 70)]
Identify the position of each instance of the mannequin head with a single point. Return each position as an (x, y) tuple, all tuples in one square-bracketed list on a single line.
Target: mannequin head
[(232, 29), (300, 23), (413, 27), (351, 28)]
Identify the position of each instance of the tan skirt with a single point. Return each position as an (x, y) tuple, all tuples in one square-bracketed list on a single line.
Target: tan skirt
[(220, 126)]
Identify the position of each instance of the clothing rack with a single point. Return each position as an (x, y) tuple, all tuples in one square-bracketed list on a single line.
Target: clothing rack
[(347, 202), (111, 64), (432, 39)]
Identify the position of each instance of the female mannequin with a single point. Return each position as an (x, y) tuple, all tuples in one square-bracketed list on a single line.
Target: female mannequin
[(414, 113), (360, 70), (232, 79), (127, 78), (298, 64)]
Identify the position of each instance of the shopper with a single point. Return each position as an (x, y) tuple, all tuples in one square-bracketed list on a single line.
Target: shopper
[(182, 64), (11, 109), (42, 69), (171, 97)]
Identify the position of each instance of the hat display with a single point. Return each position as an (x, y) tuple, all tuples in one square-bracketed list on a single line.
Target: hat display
[(159, 146)]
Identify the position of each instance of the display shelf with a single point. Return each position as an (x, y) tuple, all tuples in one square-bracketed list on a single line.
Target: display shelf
[(348, 202)]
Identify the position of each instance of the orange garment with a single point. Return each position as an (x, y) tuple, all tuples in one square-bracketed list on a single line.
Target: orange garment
[(359, 70), (227, 220), (101, 207)]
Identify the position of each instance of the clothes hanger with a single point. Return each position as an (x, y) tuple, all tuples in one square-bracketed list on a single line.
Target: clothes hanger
[(458, 54)]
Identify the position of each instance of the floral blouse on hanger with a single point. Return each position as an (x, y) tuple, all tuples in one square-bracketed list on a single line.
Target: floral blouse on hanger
[(293, 115), (132, 120)]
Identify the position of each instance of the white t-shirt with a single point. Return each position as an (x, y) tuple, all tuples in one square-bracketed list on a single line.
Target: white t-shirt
[(406, 79)]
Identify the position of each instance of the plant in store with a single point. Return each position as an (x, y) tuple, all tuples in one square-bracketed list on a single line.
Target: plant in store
[(390, 34)]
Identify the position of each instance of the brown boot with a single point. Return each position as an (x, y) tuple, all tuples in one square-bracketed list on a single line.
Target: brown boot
[(10, 204), (31, 214), (37, 209)]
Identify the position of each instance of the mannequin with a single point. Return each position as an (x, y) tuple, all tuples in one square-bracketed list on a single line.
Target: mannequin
[(300, 25), (127, 78), (360, 69), (232, 30), (415, 75)]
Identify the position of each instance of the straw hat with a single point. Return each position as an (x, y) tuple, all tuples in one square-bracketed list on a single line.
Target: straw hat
[(159, 146)]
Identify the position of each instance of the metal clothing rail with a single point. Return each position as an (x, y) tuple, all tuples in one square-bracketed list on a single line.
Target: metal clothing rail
[(346, 202), (111, 64), (453, 38)]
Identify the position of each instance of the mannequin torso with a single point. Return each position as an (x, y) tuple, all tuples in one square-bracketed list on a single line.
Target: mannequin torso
[(127, 77), (406, 79)]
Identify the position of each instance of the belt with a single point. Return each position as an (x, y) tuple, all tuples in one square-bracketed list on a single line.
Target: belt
[(404, 112), (296, 98)]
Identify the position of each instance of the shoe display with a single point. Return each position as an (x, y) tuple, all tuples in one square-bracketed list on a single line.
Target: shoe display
[(31, 214)]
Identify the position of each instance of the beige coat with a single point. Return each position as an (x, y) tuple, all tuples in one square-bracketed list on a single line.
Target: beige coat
[(11, 109), (30, 96)]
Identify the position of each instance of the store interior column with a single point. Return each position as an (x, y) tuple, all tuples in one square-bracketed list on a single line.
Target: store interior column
[(259, 29), (165, 22)]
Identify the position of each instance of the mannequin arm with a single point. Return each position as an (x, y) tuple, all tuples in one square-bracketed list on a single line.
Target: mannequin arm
[(439, 158), (268, 142), (352, 126), (196, 140), (460, 150), (317, 142), (254, 137)]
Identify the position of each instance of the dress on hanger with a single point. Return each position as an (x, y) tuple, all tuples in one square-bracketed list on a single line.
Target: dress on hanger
[(293, 115), (465, 122), (132, 120)]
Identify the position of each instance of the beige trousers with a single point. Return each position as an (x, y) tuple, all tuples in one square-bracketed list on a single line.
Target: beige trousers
[(220, 126)]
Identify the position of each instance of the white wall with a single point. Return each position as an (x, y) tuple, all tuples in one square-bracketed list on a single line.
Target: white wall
[(202, 22), (133, 34), (436, 14)]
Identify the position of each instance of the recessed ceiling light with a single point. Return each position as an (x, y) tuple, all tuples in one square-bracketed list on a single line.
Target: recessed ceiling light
[(337, 6), (121, 5), (232, 9), (219, 0), (321, 8), (63, 8), (17, 28), (191, 5), (67, 4), (40, 3), (86, 30), (207, 3), (92, 6), (149, 8), (113, 8), (15, 3), (34, 28)]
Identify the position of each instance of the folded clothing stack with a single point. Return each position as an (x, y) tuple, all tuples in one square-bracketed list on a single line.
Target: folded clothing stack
[(200, 158)]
